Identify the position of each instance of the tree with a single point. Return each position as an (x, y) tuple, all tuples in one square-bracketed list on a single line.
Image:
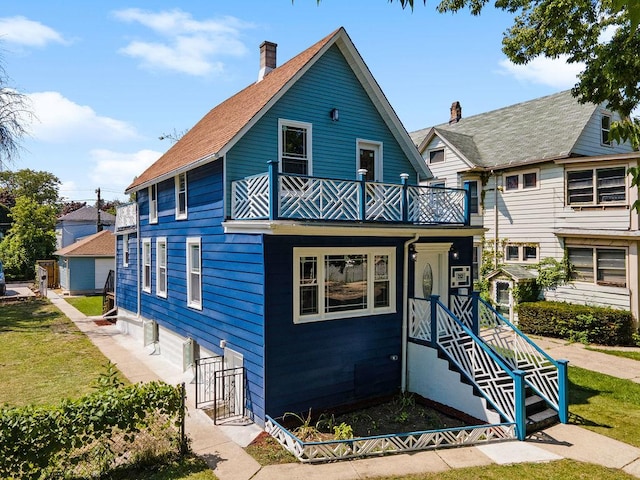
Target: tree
[(71, 206), (14, 110)]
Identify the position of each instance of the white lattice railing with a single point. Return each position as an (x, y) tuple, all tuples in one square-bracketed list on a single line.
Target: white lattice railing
[(385, 444), (420, 319), (313, 198)]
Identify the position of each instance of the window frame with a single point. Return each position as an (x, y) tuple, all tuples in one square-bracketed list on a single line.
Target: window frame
[(181, 215), (473, 204), (125, 250), (147, 263), (282, 123), (595, 268), (191, 303), (161, 263), (520, 177), (153, 203), (605, 131), (320, 255), (432, 151), (521, 252), (595, 192)]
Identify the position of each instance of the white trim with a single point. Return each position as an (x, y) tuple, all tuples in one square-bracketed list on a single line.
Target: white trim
[(282, 122), (379, 158), (181, 215), (520, 176), (432, 150), (146, 255), (191, 303), (161, 260), (125, 249), (605, 114), (320, 254), (153, 204), (521, 258)]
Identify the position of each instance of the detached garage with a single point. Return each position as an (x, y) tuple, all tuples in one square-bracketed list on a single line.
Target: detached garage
[(85, 264)]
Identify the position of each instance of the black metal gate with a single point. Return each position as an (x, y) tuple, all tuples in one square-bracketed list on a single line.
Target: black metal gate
[(229, 387), (205, 380)]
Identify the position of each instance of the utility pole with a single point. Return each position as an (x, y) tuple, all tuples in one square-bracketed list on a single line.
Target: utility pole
[(99, 226)]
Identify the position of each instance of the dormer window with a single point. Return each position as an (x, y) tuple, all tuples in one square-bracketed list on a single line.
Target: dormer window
[(295, 147), (605, 127), (436, 156)]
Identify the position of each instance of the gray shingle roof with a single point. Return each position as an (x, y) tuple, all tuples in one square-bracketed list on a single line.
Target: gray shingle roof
[(88, 214), (543, 128)]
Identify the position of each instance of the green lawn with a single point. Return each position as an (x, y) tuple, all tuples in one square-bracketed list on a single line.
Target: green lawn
[(44, 358), (607, 405), (633, 355), (90, 306)]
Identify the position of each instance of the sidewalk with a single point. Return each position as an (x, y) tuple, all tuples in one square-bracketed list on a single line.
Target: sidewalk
[(229, 461)]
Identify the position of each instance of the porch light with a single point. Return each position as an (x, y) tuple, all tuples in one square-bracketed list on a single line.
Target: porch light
[(413, 255), (455, 254), (334, 114)]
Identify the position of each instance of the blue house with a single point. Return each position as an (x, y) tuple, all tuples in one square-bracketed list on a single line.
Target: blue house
[(287, 236), (80, 224)]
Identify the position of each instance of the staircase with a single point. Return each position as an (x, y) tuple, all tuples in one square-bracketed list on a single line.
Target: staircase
[(108, 296)]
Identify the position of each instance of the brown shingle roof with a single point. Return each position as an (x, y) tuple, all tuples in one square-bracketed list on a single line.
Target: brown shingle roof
[(218, 127), (101, 244)]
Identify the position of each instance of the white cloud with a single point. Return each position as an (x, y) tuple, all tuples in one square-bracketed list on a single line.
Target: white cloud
[(119, 168), (22, 31), (59, 119), (187, 45), (555, 73), (68, 189)]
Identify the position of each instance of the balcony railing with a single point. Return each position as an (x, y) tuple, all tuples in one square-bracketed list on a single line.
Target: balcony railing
[(299, 197)]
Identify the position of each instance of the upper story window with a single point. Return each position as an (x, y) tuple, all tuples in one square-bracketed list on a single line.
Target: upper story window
[(474, 200), (146, 265), (161, 267), (370, 159), (521, 253), (294, 144), (343, 282), (181, 196), (605, 128), (153, 203), (521, 181), (603, 266), (194, 273), (125, 250), (475, 262), (597, 186), (436, 156)]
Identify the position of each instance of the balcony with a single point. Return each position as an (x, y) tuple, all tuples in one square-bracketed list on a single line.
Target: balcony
[(277, 196)]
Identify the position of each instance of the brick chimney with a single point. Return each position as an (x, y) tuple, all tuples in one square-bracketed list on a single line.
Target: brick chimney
[(267, 58), (456, 113)]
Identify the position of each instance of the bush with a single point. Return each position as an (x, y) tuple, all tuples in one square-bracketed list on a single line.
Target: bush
[(578, 323)]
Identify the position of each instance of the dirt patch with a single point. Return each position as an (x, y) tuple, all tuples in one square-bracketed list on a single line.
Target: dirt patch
[(103, 322)]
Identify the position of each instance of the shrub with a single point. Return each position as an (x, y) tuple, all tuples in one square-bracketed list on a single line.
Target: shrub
[(581, 323)]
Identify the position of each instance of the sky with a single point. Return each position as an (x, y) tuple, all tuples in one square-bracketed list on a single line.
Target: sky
[(106, 79)]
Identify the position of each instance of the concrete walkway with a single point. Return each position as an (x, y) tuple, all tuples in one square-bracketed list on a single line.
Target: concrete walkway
[(220, 446)]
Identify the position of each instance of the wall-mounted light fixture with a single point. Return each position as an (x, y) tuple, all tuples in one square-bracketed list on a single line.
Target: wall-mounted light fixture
[(334, 114), (455, 254), (413, 255)]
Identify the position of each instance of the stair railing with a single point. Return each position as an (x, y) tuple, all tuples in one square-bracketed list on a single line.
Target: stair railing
[(501, 386), (545, 375)]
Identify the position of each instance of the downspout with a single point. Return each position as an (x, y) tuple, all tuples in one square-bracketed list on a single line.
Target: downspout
[(138, 274), (405, 317)]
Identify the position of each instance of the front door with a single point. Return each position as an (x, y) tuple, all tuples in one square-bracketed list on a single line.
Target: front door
[(432, 264)]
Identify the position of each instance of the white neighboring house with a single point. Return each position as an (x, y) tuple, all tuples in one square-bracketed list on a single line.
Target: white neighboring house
[(545, 179)]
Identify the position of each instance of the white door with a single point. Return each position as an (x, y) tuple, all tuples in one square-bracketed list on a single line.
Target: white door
[(370, 158), (431, 267)]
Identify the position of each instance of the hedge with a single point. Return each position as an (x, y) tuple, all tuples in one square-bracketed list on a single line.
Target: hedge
[(582, 323)]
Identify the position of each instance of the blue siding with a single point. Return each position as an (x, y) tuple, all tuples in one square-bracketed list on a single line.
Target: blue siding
[(127, 277), (329, 83), (232, 275), (328, 363)]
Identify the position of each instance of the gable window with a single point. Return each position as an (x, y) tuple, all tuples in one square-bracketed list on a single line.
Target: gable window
[(294, 144), (181, 196), (603, 266), (597, 186), (125, 250), (472, 186), (343, 282), (153, 203), (161, 267), (521, 181), (146, 265), (370, 159), (436, 156), (194, 273), (521, 253), (605, 127)]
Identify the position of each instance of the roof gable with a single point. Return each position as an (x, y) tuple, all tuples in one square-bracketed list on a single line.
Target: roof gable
[(101, 244), (221, 128), (88, 213)]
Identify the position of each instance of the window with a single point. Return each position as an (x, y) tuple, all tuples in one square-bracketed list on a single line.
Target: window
[(153, 204), (597, 186), (475, 262), (472, 186), (521, 181), (370, 158), (161, 267), (603, 266), (125, 250), (194, 273), (181, 196), (605, 127), (521, 253), (348, 282), (437, 184), (295, 147), (436, 156), (146, 265)]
